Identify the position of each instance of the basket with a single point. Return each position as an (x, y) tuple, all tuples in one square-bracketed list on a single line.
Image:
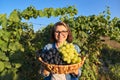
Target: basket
[(62, 69)]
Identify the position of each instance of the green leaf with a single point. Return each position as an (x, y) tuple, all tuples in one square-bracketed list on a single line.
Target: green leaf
[(3, 45), (7, 64), (1, 66), (12, 46), (18, 65), (14, 16), (3, 57)]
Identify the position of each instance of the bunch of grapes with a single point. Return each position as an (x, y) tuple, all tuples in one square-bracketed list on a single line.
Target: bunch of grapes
[(52, 56), (69, 53)]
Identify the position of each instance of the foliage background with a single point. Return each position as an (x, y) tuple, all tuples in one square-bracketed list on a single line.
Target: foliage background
[(19, 42)]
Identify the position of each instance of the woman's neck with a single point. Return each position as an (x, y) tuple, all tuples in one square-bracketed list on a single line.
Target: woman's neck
[(58, 44)]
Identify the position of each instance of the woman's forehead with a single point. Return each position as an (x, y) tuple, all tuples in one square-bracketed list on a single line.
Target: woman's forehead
[(60, 27)]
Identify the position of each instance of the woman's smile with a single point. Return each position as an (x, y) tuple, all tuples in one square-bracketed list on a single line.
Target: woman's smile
[(61, 34)]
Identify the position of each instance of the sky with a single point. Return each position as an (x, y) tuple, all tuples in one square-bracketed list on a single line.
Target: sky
[(84, 7)]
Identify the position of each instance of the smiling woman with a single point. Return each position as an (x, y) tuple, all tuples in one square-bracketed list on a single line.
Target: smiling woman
[(60, 34)]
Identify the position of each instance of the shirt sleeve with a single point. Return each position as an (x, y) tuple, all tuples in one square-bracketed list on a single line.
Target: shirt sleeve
[(77, 48), (47, 47)]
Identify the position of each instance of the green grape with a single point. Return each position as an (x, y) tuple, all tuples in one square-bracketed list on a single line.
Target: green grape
[(73, 61), (68, 61), (78, 60), (71, 55), (65, 55), (65, 58), (67, 46)]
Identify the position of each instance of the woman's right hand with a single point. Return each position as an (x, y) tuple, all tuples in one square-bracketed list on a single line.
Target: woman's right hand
[(45, 72)]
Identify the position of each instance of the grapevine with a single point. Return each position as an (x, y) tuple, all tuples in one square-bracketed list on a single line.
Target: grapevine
[(18, 40)]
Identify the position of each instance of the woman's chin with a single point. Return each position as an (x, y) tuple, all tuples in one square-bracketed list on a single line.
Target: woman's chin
[(60, 41)]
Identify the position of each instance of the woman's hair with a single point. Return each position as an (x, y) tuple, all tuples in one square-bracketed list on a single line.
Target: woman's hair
[(69, 37)]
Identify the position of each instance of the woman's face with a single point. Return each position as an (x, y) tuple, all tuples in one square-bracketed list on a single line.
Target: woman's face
[(61, 33)]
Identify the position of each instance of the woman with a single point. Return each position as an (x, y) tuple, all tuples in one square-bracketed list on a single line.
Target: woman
[(61, 33)]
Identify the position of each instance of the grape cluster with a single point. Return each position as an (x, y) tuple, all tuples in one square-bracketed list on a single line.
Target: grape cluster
[(52, 56), (69, 53)]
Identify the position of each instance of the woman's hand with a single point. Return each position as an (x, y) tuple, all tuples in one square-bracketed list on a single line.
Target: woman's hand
[(45, 72), (75, 72)]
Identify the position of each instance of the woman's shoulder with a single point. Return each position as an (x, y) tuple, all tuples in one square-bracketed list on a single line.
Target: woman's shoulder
[(48, 46), (77, 47)]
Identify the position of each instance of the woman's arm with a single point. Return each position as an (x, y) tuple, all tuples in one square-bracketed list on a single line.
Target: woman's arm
[(42, 70)]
